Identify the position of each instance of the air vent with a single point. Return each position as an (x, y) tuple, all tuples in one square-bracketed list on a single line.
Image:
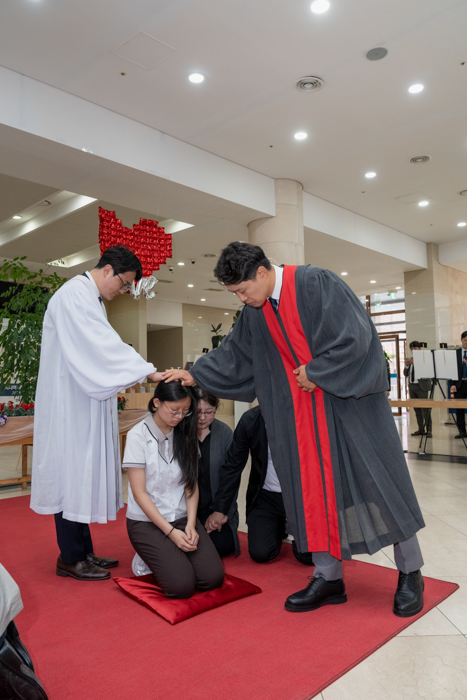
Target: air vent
[(208, 255), (463, 193), (165, 281), (309, 84), (214, 290), (377, 54), (420, 159)]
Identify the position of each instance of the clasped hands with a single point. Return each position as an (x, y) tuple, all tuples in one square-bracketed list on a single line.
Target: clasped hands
[(302, 380), (186, 541)]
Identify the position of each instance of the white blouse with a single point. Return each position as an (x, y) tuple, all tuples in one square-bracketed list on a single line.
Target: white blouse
[(147, 447)]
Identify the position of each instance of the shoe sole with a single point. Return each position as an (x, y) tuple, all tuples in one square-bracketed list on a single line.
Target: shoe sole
[(334, 600), (408, 613), (59, 572)]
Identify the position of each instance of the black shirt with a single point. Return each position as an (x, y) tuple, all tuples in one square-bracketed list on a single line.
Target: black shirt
[(204, 476)]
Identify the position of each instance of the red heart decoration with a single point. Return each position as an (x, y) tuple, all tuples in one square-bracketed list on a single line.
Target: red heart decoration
[(147, 240)]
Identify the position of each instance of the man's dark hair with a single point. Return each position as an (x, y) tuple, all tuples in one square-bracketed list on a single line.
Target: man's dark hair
[(464, 335), (415, 344), (122, 260), (240, 262)]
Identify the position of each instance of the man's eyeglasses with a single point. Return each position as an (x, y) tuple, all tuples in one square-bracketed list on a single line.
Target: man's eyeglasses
[(178, 414), (126, 286), (207, 413)]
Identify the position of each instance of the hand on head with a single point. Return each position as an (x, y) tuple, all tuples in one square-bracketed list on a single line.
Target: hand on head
[(181, 374)]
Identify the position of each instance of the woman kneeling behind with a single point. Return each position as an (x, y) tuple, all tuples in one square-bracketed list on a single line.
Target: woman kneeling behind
[(161, 456)]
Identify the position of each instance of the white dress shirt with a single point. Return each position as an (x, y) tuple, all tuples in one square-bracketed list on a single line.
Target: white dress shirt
[(271, 482), (278, 286), (147, 447)]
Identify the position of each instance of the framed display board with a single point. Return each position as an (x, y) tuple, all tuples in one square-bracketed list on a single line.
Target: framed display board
[(446, 364), (423, 364)]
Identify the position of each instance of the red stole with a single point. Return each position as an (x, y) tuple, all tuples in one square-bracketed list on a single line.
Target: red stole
[(319, 502)]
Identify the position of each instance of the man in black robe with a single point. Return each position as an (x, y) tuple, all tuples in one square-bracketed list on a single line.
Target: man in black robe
[(306, 348)]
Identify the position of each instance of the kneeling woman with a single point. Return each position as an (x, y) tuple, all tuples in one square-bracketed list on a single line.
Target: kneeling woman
[(161, 456)]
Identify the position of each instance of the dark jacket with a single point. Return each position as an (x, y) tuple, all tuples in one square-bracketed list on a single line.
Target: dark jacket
[(249, 436), (424, 384), (459, 352)]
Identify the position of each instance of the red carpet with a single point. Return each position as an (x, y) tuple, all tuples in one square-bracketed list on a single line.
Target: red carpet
[(89, 641)]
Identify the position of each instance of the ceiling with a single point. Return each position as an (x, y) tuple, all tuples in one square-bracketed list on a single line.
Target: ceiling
[(248, 109)]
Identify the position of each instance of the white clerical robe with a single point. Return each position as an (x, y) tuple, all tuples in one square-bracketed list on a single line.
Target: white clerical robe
[(84, 363)]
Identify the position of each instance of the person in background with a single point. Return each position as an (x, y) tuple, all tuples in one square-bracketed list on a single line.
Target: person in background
[(418, 389), (265, 513), (215, 439), (83, 365), (459, 388), (17, 678), (161, 457)]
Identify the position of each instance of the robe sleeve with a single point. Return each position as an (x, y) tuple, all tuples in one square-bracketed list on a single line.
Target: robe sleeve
[(348, 359), (97, 358), (227, 372)]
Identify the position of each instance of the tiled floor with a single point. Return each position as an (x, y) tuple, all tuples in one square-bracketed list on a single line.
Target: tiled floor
[(429, 659)]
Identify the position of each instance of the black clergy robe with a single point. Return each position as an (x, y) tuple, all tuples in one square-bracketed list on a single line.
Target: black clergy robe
[(344, 478)]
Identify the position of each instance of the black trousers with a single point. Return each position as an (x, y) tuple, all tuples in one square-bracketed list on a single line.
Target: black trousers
[(267, 528), (223, 539), (460, 412), (74, 539)]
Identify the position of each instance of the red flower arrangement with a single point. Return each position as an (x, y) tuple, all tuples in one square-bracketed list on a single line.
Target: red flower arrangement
[(19, 409), (121, 401)]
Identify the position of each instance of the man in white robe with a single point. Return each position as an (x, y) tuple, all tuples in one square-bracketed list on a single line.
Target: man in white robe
[(84, 363)]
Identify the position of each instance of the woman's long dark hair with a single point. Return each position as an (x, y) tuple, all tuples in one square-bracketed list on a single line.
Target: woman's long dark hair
[(185, 433)]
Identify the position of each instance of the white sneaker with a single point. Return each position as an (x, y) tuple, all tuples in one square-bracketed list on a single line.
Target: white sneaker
[(139, 567)]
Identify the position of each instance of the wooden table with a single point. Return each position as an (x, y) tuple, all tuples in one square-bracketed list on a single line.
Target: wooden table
[(126, 419), (429, 404)]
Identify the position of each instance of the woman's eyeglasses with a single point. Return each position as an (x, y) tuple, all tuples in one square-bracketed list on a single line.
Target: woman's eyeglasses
[(178, 414), (207, 413)]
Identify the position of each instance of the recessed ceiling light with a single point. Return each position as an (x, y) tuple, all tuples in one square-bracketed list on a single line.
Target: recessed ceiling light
[(370, 174), (180, 263), (300, 135), (398, 287), (16, 216), (462, 223), (372, 281), (200, 317), (196, 78), (320, 6), (414, 292), (203, 299), (344, 274), (226, 313), (190, 285), (415, 88), (423, 203)]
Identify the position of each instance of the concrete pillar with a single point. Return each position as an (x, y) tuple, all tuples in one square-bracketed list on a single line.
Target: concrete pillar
[(128, 317), (281, 236), (433, 312)]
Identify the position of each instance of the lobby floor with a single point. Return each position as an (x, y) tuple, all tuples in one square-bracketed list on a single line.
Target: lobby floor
[(429, 659)]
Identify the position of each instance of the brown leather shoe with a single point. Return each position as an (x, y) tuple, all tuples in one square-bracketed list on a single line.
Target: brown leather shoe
[(100, 561), (82, 570), (418, 432)]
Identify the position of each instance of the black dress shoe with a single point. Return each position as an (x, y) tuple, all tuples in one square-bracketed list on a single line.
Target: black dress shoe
[(418, 432), (100, 561), (318, 592), (12, 636), (16, 679), (460, 436), (82, 570), (408, 600)]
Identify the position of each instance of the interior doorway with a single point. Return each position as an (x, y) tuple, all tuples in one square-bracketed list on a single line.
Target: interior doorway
[(394, 347)]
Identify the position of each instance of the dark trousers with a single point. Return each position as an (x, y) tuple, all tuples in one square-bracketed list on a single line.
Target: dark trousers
[(178, 573), (267, 528), (460, 412), (74, 539), (423, 415), (223, 539)]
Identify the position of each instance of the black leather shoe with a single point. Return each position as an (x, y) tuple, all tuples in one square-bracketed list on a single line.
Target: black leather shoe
[(12, 636), (408, 600), (16, 679), (100, 561), (460, 436), (318, 592), (418, 432), (82, 570)]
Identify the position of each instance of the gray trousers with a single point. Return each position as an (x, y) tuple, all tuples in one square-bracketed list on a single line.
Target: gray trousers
[(407, 555), (421, 414)]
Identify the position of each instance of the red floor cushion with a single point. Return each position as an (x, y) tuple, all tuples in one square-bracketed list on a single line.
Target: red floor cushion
[(145, 591)]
